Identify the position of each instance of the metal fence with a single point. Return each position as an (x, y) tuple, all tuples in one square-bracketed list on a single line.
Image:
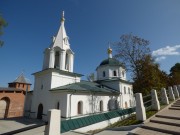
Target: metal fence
[(147, 102)]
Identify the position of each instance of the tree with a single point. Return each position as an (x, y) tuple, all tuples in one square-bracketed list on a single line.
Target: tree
[(3, 24), (91, 77), (175, 74), (130, 50), (151, 77), (134, 52)]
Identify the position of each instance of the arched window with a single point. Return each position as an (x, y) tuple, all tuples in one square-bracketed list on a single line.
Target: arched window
[(132, 91), (57, 107), (130, 103), (129, 90), (4, 107), (101, 105), (80, 107), (104, 73), (56, 64), (126, 105), (114, 73), (124, 90)]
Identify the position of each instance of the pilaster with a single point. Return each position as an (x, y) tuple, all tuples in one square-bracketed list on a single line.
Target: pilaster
[(51, 59), (62, 60)]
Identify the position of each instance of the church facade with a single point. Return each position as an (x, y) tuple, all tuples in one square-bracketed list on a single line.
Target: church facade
[(56, 86)]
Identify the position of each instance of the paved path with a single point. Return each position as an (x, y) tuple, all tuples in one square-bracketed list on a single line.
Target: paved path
[(165, 122), (105, 132), (110, 132), (36, 131), (11, 124)]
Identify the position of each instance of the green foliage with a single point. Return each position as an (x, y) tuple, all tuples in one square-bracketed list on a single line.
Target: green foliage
[(91, 77), (3, 24), (150, 76), (126, 122), (175, 74)]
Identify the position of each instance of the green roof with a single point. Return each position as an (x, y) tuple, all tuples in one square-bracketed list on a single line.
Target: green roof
[(111, 62), (114, 79), (86, 86), (59, 71)]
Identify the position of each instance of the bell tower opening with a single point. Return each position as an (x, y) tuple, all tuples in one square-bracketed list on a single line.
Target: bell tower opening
[(56, 65), (67, 62)]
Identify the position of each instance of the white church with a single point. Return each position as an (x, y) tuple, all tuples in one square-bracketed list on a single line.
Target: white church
[(56, 86)]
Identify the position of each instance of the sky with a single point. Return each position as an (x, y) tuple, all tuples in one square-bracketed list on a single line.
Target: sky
[(90, 25)]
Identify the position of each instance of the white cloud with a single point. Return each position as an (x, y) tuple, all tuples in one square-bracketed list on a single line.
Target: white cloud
[(168, 50), (161, 53), (160, 58)]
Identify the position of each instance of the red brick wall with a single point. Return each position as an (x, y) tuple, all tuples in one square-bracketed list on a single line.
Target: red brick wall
[(16, 105)]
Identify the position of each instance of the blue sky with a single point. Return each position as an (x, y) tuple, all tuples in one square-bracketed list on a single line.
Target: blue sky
[(90, 25)]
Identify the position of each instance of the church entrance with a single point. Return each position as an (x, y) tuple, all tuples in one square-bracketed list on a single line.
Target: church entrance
[(4, 107), (40, 111)]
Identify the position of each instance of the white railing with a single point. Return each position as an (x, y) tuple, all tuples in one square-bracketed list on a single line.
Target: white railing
[(153, 102)]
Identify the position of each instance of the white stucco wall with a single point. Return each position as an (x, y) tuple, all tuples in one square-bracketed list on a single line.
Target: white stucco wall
[(100, 73), (109, 72), (60, 80), (127, 95), (91, 103), (68, 103), (44, 81), (50, 100), (42, 95)]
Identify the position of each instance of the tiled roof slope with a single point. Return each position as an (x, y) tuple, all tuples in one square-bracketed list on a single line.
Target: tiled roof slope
[(86, 86), (21, 79)]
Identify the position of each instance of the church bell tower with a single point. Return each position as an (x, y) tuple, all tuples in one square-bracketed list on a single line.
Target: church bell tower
[(59, 55)]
